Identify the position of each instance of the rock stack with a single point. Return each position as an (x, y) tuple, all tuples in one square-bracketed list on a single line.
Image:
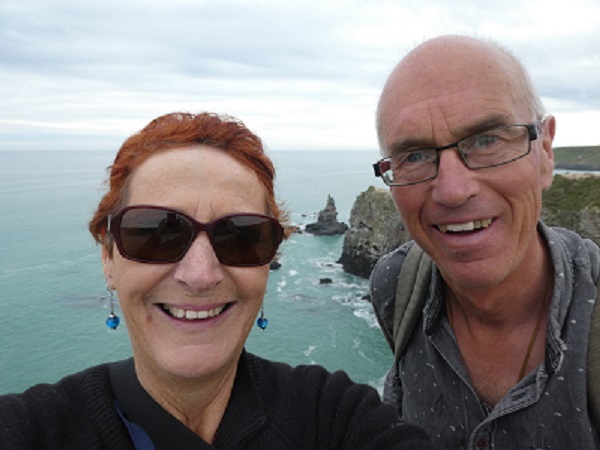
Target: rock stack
[(327, 223)]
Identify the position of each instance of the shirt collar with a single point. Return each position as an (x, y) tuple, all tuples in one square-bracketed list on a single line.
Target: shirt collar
[(433, 311)]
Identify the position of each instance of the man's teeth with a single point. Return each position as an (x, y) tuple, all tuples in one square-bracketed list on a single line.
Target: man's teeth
[(193, 315), (467, 226)]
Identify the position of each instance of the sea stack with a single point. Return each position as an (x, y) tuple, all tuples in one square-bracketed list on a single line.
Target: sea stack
[(327, 223)]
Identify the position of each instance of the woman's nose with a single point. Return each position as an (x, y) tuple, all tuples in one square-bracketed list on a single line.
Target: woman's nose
[(200, 268)]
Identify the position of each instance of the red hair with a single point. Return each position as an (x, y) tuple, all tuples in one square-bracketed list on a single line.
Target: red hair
[(178, 130)]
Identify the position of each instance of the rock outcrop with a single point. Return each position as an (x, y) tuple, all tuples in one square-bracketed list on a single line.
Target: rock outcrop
[(327, 223), (572, 202), (375, 229)]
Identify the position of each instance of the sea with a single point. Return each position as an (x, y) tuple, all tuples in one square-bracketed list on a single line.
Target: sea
[(53, 295)]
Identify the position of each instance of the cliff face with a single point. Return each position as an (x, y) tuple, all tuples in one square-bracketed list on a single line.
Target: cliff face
[(572, 202), (375, 229)]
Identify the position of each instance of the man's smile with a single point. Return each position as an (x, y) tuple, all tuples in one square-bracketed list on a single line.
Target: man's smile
[(467, 226)]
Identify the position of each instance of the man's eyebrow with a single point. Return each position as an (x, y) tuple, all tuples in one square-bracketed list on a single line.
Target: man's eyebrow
[(479, 126), (485, 124), (409, 144)]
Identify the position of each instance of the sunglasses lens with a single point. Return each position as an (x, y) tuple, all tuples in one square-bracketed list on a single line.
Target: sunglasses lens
[(154, 235), (246, 240), (160, 235)]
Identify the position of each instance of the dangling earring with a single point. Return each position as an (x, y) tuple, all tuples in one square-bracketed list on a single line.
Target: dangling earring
[(262, 321), (113, 320)]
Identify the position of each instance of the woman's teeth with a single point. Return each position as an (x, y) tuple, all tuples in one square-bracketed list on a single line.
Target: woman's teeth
[(187, 314), (467, 226)]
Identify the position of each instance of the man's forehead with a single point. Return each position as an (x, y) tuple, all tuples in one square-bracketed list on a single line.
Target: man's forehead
[(457, 98)]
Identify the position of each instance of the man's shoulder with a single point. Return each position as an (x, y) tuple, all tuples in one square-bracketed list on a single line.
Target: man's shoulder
[(386, 270), (583, 251)]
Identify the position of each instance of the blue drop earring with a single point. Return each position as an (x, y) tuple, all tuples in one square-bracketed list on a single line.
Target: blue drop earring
[(113, 320), (262, 321)]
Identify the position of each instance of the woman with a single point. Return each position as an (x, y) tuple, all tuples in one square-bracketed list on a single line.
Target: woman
[(187, 230)]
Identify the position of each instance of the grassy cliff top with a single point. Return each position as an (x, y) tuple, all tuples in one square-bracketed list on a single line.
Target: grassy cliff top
[(577, 155), (573, 192)]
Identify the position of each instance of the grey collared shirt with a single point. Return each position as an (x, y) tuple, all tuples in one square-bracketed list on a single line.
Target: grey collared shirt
[(545, 410)]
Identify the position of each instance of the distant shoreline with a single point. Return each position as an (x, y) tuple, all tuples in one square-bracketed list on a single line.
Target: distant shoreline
[(578, 167)]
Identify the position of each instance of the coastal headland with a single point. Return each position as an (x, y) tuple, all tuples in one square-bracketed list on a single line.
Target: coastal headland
[(577, 158)]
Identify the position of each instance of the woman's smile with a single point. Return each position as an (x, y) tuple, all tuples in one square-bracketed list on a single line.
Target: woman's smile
[(194, 313)]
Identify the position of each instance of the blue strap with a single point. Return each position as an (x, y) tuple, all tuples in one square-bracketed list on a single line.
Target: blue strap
[(140, 438)]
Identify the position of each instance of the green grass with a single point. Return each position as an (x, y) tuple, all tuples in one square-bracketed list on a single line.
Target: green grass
[(572, 194), (577, 155)]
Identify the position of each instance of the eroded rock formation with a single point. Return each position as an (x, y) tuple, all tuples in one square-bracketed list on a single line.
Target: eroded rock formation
[(375, 229), (327, 223)]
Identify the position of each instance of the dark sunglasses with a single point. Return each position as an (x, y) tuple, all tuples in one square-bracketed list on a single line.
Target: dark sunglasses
[(155, 235)]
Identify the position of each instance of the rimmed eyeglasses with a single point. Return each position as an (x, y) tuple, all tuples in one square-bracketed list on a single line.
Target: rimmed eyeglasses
[(494, 147)]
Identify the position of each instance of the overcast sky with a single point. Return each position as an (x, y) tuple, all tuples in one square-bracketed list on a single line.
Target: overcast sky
[(305, 74)]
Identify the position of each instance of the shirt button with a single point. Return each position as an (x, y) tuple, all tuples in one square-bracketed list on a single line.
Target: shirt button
[(481, 443)]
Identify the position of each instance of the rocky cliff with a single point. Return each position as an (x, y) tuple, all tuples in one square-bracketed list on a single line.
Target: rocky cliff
[(572, 202), (375, 229)]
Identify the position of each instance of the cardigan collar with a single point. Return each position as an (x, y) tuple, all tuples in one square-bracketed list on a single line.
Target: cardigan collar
[(243, 416)]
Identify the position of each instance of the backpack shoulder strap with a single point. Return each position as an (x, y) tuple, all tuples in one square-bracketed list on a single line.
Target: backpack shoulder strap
[(593, 363), (412, 290)]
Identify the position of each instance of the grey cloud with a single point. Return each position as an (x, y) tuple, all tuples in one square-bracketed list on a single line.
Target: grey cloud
[(285, 65)]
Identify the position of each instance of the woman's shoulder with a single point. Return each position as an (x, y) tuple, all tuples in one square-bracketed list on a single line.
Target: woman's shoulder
[(309, 383), (316, 408), (305, 373), (69, 386), (56, 410)]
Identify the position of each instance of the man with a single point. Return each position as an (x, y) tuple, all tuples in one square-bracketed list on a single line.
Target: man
[(497, 358)]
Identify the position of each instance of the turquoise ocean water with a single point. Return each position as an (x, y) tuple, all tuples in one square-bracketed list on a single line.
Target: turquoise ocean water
[(53, 298)]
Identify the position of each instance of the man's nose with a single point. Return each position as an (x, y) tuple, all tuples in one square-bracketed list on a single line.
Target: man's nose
[(455, 182)]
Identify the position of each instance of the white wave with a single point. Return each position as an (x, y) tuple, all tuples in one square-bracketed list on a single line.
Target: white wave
[(368, 316), (353, 285), (327, 264), (352, 299), (309, 350)]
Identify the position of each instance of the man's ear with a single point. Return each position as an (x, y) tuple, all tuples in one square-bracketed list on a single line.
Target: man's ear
[(108, 267), (547, 154)]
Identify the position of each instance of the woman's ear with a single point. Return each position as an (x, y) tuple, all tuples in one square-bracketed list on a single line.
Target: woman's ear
[(108, 267)]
